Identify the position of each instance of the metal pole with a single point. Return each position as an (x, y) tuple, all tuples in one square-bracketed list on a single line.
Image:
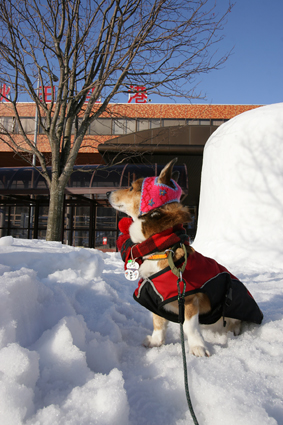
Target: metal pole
[(36, 125), (31, 217)]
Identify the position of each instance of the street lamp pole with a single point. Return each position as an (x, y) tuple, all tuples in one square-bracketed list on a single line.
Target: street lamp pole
[(36, 125)]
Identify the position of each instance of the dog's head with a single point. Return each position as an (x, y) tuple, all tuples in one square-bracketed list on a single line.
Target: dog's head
[(147, 194), (152, 202)]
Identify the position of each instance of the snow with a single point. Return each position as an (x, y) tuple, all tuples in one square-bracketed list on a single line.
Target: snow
[(71, 333), (241, 198)]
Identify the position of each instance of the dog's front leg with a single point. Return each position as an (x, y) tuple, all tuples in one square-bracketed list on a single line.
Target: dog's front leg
[(159, 331), (192, 329)]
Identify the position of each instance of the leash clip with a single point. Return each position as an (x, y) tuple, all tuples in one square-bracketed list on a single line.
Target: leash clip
[(179, 273)]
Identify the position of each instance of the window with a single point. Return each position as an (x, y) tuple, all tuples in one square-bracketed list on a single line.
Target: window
[(142, 124), (81, 238), (28, 125), (131, 126), (193, 122), (217, 122), (124, 126), (81, 216), (6, 124), (119, 126), (43, 217), (101, 126), (173, 122), (198, 122), (154, 123), (105, 218), (40, 129)]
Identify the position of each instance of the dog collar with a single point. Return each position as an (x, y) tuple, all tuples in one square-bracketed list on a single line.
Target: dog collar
[(160, 256)]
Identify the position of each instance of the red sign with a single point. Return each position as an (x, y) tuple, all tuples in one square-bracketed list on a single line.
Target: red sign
[(4, 93), (47, 91), (89, 93), (104, 241), (137, 94)]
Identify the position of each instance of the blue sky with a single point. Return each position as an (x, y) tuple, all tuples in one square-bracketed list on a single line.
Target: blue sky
[(254, 72)]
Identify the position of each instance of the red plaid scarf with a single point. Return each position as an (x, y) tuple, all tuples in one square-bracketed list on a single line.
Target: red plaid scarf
[(156, 243)]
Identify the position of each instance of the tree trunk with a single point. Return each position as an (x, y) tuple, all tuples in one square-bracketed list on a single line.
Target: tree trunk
[(55, 213)]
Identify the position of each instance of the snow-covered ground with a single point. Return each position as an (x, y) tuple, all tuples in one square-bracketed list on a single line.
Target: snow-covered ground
[(71, 353), (71, 334)]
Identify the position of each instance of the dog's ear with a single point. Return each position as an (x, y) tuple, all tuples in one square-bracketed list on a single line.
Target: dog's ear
[(166, 174), (175, 176)]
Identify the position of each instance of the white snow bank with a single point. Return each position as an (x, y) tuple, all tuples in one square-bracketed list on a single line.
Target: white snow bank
[(49, 371), (6, 241), (241, 199), (71, 350)]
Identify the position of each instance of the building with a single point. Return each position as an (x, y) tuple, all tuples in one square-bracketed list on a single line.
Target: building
[(144, 136)]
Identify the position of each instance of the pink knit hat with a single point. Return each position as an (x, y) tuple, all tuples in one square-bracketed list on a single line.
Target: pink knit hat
[(154, 194)]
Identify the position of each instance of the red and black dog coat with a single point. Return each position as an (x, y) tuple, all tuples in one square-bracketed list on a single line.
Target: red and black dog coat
[(228, 295)]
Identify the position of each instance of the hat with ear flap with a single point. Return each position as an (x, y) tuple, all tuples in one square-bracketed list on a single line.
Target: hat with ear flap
[(154, 194)]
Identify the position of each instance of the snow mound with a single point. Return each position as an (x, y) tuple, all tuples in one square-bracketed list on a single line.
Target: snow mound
[(241, 198), (6, 241), (54, 318)]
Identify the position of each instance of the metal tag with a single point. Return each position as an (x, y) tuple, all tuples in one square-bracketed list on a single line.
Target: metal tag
[(132, 265), (131, 274)]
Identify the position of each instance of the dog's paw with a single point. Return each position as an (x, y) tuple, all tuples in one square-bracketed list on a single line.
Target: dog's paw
[(199, 351), (152, 341), (234, 326), (236, 329)]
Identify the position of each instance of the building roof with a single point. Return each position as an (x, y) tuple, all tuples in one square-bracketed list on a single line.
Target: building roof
[(125, 110), (148, 110)]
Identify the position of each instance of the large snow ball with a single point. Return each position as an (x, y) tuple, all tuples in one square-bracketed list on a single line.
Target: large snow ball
[(241, 197)]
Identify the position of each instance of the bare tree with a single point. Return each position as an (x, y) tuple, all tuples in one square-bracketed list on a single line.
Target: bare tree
[(98, 48)]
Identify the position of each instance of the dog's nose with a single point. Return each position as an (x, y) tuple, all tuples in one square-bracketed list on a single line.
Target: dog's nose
[(108, 194)]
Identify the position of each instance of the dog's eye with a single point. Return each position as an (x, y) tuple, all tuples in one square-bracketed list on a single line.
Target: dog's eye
[(155, 214), (130, 188)]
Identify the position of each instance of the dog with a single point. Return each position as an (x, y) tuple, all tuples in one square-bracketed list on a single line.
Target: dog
[(153, 203)]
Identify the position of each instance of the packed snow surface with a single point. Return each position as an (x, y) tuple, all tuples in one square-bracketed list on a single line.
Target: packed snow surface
[(71, 348), (71, 334)]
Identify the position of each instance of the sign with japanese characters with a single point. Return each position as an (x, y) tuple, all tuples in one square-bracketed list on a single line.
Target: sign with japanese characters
[(46, 95), (4, 93), (89, 95), (137, 94)]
